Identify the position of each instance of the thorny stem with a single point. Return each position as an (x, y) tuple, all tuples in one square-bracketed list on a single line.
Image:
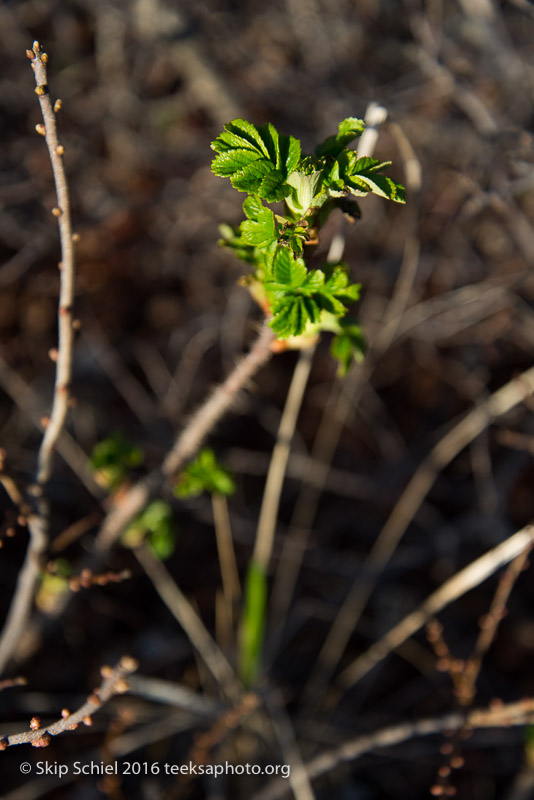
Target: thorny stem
[(37, 521)]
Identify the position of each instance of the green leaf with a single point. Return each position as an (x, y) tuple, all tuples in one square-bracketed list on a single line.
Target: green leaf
[(204, 474), (288, 270), (155, 525), (348, 130), (305, 187), (240, 134), (112, 457), (257, 160), (274, 187), (260, 228), (348, 346), (253, 623), (297, 295), (292, 314), (225, 164), (362, 175)]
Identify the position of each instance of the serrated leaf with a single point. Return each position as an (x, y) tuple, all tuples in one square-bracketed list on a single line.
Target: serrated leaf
[(239, 133), (260, 229), (257, 160), (339, 285), (257, 235), (271, 141), (348, 130), (250, 177), (225, 164), (362, 175), (290, 153), (273, 187), (288, 270), (292, 313)]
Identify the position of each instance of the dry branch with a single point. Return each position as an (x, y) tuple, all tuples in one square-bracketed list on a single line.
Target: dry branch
[(520, 713), (188, 442)]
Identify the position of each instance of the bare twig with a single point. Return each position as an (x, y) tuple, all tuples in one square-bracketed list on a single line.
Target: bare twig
[(188, 442), (499, 403), (173, 694), (226, 552), (185, 614), (488, 627), (114, 683), (277, 468), (520, 713), (37, 522), (20, 607), (66, 290), (285, 734), (469, 577)]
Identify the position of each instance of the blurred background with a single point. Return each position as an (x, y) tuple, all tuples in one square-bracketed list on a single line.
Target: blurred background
[(146, 86)]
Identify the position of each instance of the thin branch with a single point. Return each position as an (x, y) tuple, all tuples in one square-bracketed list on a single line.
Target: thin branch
[(173, 694), (476, 421), (517, 714), (188, 442), (465, 580), (277, 468), (20, 607), (19, 610), (187, 617), (488, 627), (114, 683), (60, 404), (285, 734), (226, 552)]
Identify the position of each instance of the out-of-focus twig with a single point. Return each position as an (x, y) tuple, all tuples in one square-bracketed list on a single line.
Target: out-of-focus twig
[(188, 442), (499, 403), (469, 577), (277, 468), (185, 614), (520, 713)]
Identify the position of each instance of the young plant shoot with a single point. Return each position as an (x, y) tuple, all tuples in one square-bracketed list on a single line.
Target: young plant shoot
[(299, 301), (270, 167)]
